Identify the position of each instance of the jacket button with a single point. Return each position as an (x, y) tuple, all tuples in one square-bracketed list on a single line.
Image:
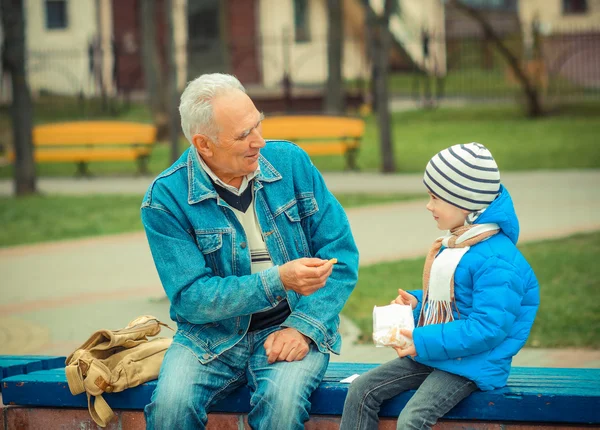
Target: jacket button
[(459, 358), (240, 331), (206, 356), (279, 298), (243, 245)]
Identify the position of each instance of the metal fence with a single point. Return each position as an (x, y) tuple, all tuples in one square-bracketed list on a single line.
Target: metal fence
[(563, 66)]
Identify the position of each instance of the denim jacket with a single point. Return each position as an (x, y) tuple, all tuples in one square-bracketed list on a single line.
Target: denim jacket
[(201, 253)]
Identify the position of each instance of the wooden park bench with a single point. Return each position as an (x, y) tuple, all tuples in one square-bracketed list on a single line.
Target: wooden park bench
[(534, 397), (85, 141), (318, 134)]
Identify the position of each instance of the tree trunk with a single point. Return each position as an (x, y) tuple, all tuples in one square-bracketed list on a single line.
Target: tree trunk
[(173, 93), (534, 106), (11, 12), (334, 91), (370, 38), (382, 52), (154, 79)]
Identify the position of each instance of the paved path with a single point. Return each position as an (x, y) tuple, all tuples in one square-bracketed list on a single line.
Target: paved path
[(54, 295)]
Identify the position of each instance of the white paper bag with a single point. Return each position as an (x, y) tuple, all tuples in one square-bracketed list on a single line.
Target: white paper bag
[(387, 323)]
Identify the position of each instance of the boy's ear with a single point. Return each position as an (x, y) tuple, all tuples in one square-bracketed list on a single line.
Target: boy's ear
[(201, 143)]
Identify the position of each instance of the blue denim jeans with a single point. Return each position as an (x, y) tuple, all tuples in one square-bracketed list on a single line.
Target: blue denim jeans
[(187, 389), (437, 393)]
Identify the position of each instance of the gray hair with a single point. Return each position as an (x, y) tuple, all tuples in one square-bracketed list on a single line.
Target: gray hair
[(195, 107)]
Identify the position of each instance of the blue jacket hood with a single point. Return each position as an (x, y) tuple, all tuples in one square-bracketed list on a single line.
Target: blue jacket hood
[(502, 212)]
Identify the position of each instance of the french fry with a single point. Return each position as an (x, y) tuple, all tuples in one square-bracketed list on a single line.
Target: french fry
[(333, 261)]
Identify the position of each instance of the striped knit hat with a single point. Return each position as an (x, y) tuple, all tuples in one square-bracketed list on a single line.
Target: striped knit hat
[(464, 175)]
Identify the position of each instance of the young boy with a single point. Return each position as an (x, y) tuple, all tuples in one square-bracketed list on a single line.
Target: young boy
[(478, 303)]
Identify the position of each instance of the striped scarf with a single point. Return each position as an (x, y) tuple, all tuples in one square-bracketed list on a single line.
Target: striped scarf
[(438, 298)]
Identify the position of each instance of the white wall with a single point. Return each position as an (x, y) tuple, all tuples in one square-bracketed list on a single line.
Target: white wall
[(406, 28), (307, 61), (58, 58), (552, 19)]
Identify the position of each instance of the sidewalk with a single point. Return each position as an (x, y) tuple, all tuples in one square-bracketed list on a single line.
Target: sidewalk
[(55, 295)]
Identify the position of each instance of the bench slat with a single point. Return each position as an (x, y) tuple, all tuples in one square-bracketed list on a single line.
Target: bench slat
[(532, 395), (93, 132), (92, 154), (310, 126), (325, 148), (11, 365)]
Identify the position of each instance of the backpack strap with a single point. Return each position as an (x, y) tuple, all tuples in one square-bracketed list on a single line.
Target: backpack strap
[(99, 410)]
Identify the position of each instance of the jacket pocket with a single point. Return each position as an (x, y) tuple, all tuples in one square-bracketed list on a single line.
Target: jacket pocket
[(297, 213), (301, 208), (210, 244)]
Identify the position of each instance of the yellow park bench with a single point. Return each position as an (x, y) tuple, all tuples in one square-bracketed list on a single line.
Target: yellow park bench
[(85, 141), (318, 134)]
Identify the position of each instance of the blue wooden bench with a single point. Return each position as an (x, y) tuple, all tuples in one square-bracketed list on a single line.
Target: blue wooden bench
[(533, 395), (11, 365)]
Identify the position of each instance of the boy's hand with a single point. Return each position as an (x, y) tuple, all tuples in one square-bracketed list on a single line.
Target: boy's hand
[(405, 298), (408, 350)]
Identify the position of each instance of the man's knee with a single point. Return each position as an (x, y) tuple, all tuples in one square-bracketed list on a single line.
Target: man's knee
[(281, 399), (171, 402), (176, 403), (284, 406)]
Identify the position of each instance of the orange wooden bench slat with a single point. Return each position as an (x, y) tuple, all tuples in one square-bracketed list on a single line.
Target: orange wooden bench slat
[(324, 148), (94, 133), (91, 154), (307, 126)]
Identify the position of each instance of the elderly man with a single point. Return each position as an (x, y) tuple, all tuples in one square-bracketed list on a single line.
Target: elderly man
[(244, 235)]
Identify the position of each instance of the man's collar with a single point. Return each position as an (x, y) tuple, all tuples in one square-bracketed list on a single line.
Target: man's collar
[(200, 186), (238, 191)]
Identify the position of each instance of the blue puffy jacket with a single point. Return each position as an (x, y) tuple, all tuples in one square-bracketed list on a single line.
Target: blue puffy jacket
[(497, 295)]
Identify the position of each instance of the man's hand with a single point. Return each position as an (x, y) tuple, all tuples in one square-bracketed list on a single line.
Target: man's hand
[(405, 298), (287, 344), (409, 350), (305, 275)]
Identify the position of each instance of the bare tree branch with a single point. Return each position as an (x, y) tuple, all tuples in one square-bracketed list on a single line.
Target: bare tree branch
[(534, 107)]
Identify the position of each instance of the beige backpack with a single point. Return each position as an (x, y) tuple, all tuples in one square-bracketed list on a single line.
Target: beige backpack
[(113, 360)]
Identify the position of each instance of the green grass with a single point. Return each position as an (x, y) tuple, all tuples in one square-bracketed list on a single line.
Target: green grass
[(563, 139), (476, 83), (558, 141), (47, 218), (568, 273)]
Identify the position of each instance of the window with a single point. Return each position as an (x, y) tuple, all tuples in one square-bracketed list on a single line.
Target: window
[(56, 14), (574, 6), (301, 29)]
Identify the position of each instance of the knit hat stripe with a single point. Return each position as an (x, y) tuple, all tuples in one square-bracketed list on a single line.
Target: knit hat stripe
[(451, 197), (492, 180), (481, 157), (452, 202), (473, 166), (484, 187)]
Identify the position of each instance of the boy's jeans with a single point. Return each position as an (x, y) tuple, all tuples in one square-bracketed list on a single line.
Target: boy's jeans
[(187, 389), (437, 393)]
